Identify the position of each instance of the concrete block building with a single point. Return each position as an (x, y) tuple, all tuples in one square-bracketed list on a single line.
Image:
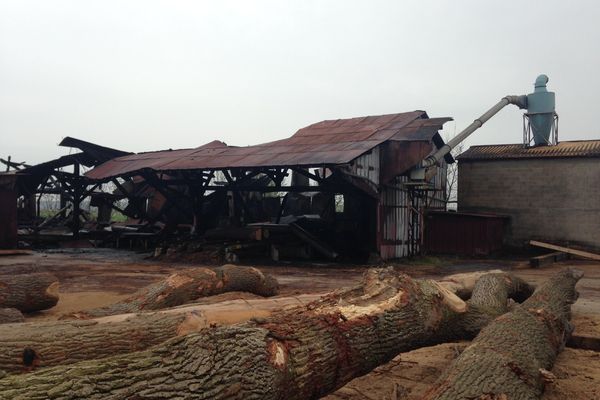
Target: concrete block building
[(549, 193)]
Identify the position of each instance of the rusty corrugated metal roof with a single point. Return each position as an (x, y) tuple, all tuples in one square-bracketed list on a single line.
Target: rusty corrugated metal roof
[(576, 148), (329, 142)]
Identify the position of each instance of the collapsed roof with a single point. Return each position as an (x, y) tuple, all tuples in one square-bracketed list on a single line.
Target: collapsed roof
[(326, 143)]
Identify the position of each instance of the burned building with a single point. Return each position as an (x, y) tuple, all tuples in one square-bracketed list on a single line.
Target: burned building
[(549, 192), (339, 186)]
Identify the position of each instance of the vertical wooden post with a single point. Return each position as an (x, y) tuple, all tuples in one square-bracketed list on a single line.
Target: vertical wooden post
[(76, 200)]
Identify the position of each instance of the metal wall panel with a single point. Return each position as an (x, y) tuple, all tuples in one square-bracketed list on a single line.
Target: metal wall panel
[(394, 219), (395, 214), (464, 233), (367, 165)]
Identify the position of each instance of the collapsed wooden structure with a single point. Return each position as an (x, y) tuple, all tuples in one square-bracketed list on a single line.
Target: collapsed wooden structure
[(335, 187)]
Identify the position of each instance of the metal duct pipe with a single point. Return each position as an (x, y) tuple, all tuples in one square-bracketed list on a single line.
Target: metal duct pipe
[(519, 101)]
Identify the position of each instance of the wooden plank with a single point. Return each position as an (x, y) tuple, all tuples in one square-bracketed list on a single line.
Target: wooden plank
[(546, 259), (554, 247), (585, 342)]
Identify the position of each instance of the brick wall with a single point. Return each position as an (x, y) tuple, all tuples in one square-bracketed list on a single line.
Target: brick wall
[(555, 199)]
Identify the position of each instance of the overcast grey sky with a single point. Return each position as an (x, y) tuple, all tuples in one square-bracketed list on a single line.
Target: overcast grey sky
[(149, 75)]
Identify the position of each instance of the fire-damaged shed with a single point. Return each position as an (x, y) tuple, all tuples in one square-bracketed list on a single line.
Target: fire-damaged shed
[(347, 177)]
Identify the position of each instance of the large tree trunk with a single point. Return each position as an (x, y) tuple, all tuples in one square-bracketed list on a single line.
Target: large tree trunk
[(26, 293), (303, 353), (511, 357), (10, 315), (67, 342), (188, 285)]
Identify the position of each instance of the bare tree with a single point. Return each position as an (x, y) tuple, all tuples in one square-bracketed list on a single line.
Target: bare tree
[(452, 177)]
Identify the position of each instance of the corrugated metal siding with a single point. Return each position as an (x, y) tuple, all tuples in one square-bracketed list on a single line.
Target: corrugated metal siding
[(394, 217), (367, 165), (395, 214)]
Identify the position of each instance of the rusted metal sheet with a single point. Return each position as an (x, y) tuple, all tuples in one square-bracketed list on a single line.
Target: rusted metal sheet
[(463, 233), (398, 157), (99, 153), (326, 143), (577, 148)]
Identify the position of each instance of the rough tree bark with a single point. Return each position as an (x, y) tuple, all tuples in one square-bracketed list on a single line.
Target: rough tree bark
[(510, 358), (302, 353), (67, 342), (188, 285), (26, 293), (10, 315)]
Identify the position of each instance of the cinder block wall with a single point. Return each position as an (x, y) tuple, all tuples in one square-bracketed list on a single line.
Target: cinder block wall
[(555, 199)]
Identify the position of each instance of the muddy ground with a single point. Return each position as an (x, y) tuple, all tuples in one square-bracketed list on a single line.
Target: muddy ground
[(95, 277)]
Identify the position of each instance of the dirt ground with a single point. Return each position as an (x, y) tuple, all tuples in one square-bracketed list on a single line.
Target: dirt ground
[(95, 277)]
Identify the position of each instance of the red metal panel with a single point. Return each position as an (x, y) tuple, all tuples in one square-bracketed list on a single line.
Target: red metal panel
[(463, 233)]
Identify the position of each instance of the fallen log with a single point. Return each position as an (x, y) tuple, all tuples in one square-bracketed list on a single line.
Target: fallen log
[(511, 357), (66, 342), (26, 293), (301, 353), (10, 315), (188, 285), (490, 299)]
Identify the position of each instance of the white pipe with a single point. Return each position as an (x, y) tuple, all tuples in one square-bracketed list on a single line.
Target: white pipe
[(520, 101)]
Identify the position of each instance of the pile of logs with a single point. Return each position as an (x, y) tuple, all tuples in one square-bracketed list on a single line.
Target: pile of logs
[(303, 352)]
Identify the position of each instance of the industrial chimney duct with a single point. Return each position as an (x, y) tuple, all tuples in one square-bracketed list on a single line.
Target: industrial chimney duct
[(540, 110)]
